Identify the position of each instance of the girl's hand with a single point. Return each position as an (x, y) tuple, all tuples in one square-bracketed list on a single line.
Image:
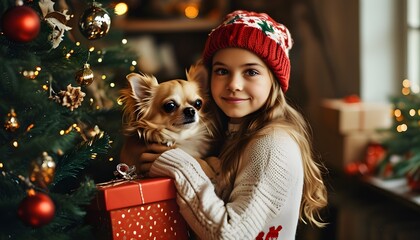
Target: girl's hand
[(146, 159), (134, 152)]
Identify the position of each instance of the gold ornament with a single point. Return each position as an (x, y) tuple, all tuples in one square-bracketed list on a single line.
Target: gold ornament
[(72, 98), (95, 22), (43, 169), (84, 76), (11, 122)]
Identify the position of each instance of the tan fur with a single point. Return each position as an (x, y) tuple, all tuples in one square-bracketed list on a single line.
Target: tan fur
[(186, 127)]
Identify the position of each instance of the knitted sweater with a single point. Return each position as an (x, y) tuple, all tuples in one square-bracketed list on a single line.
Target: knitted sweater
[(265, 200)]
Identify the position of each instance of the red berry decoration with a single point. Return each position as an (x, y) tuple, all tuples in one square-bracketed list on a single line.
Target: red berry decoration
[(352, 99), (36, 209), (21, 24)]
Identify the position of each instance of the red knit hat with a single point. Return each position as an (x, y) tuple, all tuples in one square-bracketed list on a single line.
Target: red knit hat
[(258, 33)]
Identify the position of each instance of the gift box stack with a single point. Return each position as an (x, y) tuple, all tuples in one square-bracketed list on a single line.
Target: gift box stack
[(348, 127), (137, 209)]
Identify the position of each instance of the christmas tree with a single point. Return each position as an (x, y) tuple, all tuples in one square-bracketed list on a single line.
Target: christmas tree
[(402, 157), (58, 99)]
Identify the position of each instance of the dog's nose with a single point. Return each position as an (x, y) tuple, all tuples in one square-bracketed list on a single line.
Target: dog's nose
[(189, 112)]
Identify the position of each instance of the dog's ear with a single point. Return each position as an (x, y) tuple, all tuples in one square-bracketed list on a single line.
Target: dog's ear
[(199, 74), (141, 85)]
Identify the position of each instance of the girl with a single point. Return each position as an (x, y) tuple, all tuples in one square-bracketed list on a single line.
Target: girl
[(268, 177)]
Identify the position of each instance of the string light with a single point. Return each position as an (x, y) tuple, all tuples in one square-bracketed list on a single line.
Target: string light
[(68, 55), (412, 112), (31, 74), (406, 83), (402, 128), (191, 11), (121, 8), (124, 41), (30, 127)]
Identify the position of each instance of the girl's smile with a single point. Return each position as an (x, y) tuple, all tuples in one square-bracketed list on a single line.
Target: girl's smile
[(234, 100)]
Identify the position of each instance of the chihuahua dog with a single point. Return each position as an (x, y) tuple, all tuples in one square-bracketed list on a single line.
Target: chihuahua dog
[(170, 113)]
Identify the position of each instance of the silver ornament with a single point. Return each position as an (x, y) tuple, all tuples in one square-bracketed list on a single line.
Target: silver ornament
[(94, 23)]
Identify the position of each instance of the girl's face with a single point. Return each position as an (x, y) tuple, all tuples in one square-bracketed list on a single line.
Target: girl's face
[(240, 82)]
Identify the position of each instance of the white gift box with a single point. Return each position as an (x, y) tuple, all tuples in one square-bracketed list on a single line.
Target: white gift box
[(349, 117), (348, 128)]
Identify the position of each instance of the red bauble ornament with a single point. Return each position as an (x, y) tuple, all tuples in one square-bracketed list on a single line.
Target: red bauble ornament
[(21, 24), (36, 210)]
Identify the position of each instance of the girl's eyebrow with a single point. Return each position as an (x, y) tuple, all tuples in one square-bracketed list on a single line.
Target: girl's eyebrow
[(244, 65), (218, 63)]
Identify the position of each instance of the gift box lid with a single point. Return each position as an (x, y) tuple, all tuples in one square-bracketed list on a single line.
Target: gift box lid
[(128, 193), (344, 117)]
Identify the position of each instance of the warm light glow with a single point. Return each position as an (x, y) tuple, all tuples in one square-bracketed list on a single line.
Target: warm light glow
[(91, 49), (191, 12), (406, 83), (121, 8), (103, 76), (45, 87), (62, 132), (415, 89), (134, 63), (402, 128), (111, 159), (124, 41), (99, 59), (412, 112), (30, 127), (112, 85), (397, 112), (15, 144), (405, 91)]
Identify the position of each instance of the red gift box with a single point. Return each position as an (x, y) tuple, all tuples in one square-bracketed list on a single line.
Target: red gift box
[(137, 209)]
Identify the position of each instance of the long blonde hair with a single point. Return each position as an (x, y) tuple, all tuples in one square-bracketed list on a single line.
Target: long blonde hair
[(276, 113)]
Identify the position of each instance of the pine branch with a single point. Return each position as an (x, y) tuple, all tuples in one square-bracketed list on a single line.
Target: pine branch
[(72, 164)]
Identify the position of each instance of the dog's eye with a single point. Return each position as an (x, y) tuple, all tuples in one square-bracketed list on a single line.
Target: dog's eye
[(170, 106), (198, 104)]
